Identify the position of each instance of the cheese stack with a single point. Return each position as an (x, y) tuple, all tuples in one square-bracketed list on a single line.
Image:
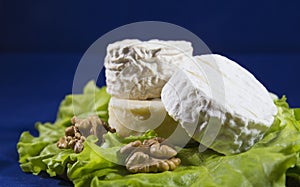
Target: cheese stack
[(159, 85), (136, 72)]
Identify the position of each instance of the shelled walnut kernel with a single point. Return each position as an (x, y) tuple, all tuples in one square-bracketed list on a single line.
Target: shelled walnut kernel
[(149, 156), (72, 140), (81, 128)]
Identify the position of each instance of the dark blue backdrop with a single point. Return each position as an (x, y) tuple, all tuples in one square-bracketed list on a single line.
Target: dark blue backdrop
[(233, 26), (41, 43)]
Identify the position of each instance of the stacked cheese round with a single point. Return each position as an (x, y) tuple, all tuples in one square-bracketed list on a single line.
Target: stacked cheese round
[(136, 72), (135, 117), (139, 69)]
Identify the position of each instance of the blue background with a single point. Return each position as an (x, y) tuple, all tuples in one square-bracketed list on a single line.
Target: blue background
[(41, 43)]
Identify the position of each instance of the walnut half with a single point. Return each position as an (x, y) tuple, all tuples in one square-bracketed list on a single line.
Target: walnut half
[(81, 128), (72, 140), (92, 125), (149, 156)]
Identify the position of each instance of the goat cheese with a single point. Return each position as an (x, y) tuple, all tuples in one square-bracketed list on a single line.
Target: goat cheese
[(139, 69), (219, 103), (134, 117)]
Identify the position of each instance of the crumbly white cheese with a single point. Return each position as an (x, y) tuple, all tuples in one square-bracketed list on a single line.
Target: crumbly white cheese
[(139, 69), (219, 103), (134, 117)]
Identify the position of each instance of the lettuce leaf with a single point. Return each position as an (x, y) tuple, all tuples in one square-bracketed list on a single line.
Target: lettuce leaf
[(31, 149), (267, 163), (113, 139), (101, 162), (93, 101)]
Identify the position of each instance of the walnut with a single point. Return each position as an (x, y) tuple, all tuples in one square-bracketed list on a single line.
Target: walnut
[(149, 156), (81, 128), (72, 139), (92, 125)]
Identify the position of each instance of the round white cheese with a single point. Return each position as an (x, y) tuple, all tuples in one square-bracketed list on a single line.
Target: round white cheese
[(219, 103), (139, 69)]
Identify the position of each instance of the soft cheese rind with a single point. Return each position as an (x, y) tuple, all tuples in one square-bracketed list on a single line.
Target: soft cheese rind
[(220, 104), (139, 69), (134, 117)]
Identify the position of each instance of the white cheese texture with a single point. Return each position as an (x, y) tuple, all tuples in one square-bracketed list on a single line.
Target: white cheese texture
[(134, 117), (219, 104), (139, 69)]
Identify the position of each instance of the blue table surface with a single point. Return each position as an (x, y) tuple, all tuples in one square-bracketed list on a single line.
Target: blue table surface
[(32, 86)]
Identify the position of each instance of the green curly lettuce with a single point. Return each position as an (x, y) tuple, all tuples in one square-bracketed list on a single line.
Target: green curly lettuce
[(267, 163), (33, 154)]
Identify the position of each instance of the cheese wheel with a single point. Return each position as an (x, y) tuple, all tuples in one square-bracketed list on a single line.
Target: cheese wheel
[(139, 69), (134, 117), (220, 104)]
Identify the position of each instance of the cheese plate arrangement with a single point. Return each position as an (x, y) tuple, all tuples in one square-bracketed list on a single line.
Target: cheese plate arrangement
[(168, 118)]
